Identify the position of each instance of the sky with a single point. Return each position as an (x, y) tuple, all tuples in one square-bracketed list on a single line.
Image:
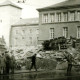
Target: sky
[(42, 3), (32, 5), (39, 3)]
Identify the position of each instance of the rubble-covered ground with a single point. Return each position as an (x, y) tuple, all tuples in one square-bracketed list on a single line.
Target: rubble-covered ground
[(46, 59)]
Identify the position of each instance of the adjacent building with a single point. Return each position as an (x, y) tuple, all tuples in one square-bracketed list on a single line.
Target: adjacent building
[(10, 13), (24, 33), (62, 19)]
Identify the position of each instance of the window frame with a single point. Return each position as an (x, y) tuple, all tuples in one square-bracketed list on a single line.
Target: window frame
[(65, 32), (65, 15), (59, 17), (45, 18), (52, 17), (51, 33)]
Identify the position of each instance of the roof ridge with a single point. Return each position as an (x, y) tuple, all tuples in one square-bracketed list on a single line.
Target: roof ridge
[(27, 21), (57, 3), (66, 3), (9, 2)]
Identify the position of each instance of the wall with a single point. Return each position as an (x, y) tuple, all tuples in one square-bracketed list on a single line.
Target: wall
[(58, 26), (23, 34), (15, 14), (8, 15)]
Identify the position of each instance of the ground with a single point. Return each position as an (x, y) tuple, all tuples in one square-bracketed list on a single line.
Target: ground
[(41, 75)]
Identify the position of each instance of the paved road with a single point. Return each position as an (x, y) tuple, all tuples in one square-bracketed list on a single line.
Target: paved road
[(42, 75)]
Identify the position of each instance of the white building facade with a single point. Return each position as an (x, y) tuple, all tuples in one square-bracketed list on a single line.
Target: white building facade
[(9, 14)]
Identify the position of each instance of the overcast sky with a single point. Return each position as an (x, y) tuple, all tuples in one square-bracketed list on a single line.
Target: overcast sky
[(32, 5), (42, 3)]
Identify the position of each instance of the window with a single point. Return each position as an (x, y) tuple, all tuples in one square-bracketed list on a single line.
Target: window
[(59, 17), (45, 18), (15, 41), (78, 32), (17, 32), (51, 33), (52, 17), (30, 30), (30, 40), (78, 15), (65, 16), (37, 31), (72, 16), (65, 32), (23, 31)]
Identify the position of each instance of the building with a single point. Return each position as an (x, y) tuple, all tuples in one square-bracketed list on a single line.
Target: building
[(62, 19), (10, 13), (24, 34)]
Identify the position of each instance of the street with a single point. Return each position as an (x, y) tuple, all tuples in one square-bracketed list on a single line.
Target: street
[(42, 75)]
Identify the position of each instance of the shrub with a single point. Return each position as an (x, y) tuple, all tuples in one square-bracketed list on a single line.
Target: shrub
[(46, 44), (53, 44)]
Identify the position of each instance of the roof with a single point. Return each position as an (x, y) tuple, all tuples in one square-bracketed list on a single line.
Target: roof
[(8, 2), (29, 21), (65, 4)]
